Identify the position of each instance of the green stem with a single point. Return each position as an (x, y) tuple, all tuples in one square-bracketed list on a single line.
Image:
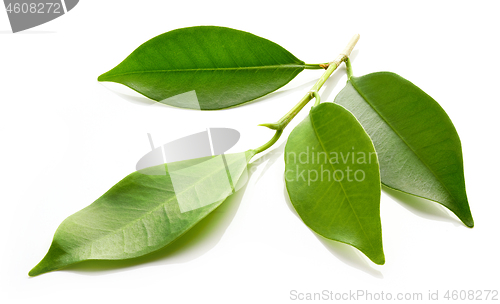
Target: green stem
[(269, 143), (318, 66), (348, 68), (313, 93), (316, 97)]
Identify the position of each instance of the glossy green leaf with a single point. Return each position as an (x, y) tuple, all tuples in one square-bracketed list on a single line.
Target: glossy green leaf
[(332, 177), (418, 147), (223, 66), (143, 212)]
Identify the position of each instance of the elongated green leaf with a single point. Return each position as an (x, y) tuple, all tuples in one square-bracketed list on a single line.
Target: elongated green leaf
[(225, 67), (332, 177), (418, 147), (143, 212)]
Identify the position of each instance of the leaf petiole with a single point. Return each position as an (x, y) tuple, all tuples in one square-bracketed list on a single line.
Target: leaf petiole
[(316, 97), (317, 66), (269, 143), (348, 68)]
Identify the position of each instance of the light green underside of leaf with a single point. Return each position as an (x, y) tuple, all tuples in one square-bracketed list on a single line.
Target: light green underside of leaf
[(141, 213), (225, 67), (214, 90), (418, 148), (344, 211)]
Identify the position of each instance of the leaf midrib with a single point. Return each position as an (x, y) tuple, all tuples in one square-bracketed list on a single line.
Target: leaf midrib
[(404, 141), (161, 205), (266, 67), (341, 186)]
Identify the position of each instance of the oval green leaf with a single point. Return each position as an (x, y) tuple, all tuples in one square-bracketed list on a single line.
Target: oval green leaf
[(223, 66), (418, 147), (145, 211), (333, 180)]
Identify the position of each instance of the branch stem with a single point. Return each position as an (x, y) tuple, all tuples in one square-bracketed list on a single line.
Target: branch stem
[(281, 124)]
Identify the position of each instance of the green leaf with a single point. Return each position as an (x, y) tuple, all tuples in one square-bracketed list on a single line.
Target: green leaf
[(143, 212), (418, 147), (225, 67), (332, 177)]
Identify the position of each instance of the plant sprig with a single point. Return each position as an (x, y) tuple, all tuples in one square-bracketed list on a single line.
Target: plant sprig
[(381, 130)]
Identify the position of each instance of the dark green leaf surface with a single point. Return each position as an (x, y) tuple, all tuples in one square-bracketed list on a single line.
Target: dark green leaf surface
[(225, 67), (143, 213), (418, 147), (325, 155)]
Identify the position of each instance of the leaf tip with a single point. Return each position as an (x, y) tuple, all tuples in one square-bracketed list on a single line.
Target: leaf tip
[(101, 77), (105, 76), (465, 216), (469, 222), (56, 258), (377, 257), (37, 270), (380, 260)]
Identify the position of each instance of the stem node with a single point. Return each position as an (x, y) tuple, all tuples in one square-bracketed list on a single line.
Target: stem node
[(315, 94), (280, 125), (325, 65)]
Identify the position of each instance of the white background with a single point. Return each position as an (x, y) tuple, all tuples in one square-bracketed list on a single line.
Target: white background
[(66, 139)]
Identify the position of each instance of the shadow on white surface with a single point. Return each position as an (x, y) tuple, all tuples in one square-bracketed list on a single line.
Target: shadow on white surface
[(345, 253), (288, 202), (350, 256), (197, 241), (422, 207), (128, 94)]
